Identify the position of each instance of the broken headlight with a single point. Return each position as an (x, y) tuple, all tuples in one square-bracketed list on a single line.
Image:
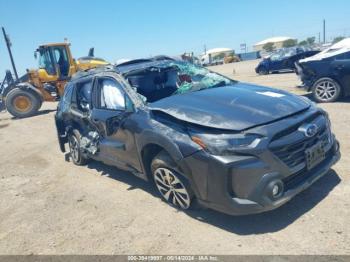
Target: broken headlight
[(224, 144)]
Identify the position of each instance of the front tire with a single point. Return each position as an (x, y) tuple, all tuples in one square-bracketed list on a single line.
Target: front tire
[(76, 153), (326, 90), (172, 186), (22, 103), (263, 70)]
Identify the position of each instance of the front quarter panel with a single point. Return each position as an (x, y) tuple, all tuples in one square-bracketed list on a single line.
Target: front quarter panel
[(172, 137)]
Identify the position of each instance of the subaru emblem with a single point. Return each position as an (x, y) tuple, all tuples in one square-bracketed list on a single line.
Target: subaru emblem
[(309, 130)]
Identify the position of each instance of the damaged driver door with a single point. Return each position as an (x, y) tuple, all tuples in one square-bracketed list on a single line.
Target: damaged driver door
[(110, 111)]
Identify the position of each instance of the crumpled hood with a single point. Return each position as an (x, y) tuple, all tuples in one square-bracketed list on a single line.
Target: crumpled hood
[(236, 107)]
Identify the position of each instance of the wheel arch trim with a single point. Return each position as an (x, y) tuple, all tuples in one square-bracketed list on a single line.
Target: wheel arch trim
[(28, 86)]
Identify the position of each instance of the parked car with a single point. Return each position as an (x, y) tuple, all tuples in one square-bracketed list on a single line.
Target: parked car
[(327, 74), (198, 136), (283, 60)]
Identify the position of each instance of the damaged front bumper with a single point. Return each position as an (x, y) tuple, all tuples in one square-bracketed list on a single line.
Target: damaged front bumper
[(306, 79), (239, 185)]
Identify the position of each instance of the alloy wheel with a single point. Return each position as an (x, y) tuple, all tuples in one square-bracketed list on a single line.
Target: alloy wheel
[(171, 188), (325, 90)]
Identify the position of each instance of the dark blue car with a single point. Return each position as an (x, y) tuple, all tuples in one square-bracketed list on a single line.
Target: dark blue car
[(283, 60), (327, 75)]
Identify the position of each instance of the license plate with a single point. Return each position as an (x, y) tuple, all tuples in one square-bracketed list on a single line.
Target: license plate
[(314, 155)]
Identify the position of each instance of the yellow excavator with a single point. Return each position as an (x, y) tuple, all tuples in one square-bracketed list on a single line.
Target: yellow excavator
[(23, 96)]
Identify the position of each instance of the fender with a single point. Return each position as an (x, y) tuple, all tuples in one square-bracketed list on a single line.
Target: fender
[(149, 137), (165, 141)]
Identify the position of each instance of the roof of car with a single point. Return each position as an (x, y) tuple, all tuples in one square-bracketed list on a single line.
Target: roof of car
[(124, 67), (93, 71), (142, 63)]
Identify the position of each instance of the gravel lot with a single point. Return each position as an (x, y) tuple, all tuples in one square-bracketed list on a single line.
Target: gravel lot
[(50, 206)]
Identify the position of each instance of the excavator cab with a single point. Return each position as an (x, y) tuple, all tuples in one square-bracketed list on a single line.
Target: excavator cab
[(55, 62)]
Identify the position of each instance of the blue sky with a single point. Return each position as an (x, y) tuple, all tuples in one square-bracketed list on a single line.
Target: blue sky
[(139, 28)]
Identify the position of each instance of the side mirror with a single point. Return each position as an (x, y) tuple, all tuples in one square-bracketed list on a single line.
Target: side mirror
[(35, 54)]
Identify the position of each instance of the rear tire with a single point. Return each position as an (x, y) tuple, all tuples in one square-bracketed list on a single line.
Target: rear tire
[(263, 70), (22, 103), (74, 148), (172, 186), (326, 90)]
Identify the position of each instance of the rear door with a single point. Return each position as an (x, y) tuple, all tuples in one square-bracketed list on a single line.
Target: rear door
[(110, 114)]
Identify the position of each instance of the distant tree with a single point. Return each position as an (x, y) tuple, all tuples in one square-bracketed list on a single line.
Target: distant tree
[(338, 39), (304, 42), (290, 43), (311, 40), (269, 47)]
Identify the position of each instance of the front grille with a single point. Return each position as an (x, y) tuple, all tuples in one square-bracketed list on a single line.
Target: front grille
[(298, 178), (293, 155), (294, 128)]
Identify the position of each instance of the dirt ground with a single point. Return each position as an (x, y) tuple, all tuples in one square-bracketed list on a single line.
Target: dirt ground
[(50, 206)]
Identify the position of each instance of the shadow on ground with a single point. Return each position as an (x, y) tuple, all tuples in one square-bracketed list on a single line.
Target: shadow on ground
[(39, 113), (124, 177), (242, 225)]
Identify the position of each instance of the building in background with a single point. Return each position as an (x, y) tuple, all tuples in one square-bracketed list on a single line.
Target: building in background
[(277, 41), (215, 55)]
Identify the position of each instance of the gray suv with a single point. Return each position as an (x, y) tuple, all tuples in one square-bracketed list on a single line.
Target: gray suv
[(198, 136)]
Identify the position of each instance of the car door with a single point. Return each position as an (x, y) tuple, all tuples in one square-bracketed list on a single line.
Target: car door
[(341, 69), (81, 104), (275, 62), (62, 119), (109, 115)]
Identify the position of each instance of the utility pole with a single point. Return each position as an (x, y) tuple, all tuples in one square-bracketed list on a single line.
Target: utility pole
[(8, 44), (205, 49), (319, 37), (324, 31)]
